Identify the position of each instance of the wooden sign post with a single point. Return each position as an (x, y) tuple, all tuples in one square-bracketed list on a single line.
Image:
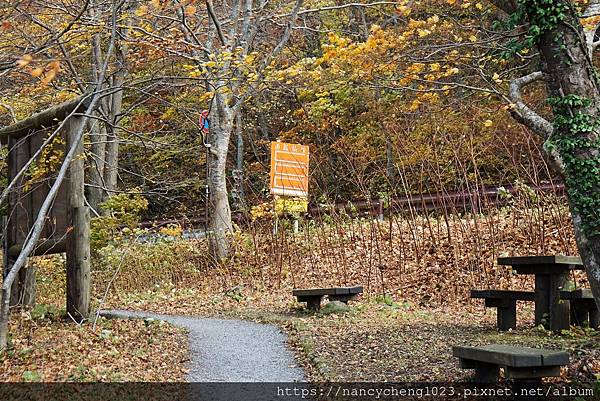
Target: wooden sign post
[(289, 178), (289, 169)]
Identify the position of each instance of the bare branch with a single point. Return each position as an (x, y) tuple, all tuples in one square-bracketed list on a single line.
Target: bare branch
[(342, 6), (215, 20), (522, 112)]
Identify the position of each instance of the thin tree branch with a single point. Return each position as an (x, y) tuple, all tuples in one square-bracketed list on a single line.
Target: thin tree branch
[(215, 20)]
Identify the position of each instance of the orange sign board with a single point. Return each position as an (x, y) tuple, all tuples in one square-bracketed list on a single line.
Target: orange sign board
[(289, 169)]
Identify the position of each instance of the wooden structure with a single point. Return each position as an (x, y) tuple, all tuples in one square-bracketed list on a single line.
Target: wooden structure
[(551, 274), (583, 307), (506, 302), (313, 296), (518, 363), (66, 227)]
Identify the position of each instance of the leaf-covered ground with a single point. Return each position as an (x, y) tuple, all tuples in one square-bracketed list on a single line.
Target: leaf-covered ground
[(415, 345), (45, 347), (375, 340), (405, 335)]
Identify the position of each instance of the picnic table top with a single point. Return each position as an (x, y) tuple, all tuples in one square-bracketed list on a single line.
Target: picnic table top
[(541, 260), (542, 265)]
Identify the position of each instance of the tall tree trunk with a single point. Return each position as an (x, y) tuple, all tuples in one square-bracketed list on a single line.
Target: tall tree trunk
[(573, 88), (238, 172), (111, 168), (95, 192), (390, 164), (221, 117)]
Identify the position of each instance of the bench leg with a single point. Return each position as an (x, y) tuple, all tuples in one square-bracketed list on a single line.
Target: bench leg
[(341, 298), (594, 315), (486, 372), (314, 303), (579, 313), (507, 315)]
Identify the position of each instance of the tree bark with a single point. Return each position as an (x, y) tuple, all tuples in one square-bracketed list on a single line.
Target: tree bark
[(95, 192), (221, 118), (569, 72), (111, 168), (238, 172)]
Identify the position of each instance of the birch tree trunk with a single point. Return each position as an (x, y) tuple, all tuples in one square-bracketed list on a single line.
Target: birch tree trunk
[(238, 172), (111, 168), (95, 192), (222, 119)]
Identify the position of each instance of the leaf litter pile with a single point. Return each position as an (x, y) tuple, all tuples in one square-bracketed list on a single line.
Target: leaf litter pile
[(45, 347)]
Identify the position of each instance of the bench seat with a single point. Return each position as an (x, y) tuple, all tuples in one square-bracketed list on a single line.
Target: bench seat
[(519, 363), (583, 307), (313, 296), (506, 302)]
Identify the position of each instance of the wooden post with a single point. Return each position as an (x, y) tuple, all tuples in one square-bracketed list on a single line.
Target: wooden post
[(78, 238)]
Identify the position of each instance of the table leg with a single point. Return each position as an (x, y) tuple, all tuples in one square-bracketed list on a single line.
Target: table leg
[(542, 299), (559, 308), (550, 310)]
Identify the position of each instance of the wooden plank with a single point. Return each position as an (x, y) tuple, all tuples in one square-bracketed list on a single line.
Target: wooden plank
[(313, 291), (327, 291), (43, 119), (44, 247), (548, 269), (503, 294), (506, 355), (39, 190), (25, 204), (531, 373), (580, 293), (541, 260)]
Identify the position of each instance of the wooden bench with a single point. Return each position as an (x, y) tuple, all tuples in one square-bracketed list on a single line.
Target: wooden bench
[(583, 307), (506, 302), (313, 296), (518, 363)]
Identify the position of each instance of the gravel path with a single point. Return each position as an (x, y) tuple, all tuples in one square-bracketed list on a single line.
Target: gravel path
[(231, 350)]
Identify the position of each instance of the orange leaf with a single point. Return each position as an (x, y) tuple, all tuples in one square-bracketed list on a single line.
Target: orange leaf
[(24, 60), (49, 77), (37, 72)]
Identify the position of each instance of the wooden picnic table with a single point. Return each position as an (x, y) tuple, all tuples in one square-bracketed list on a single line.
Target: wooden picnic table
[(551, 274)]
